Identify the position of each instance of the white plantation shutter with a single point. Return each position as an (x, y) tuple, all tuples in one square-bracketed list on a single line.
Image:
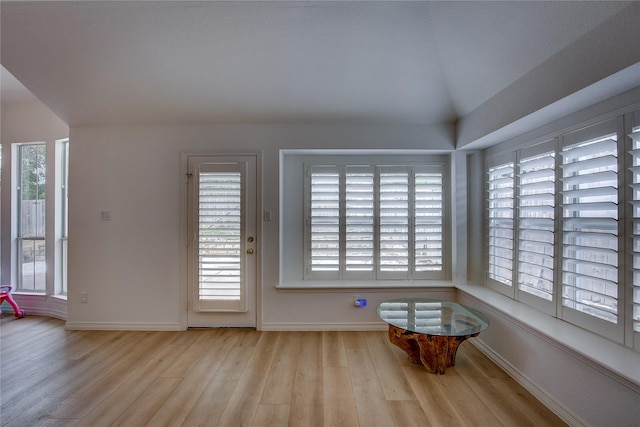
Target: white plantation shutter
[(375, 222), (536, 216), (428, 218), (359, 218), (394, 220), (590, 224), (635, 200), (325, 220), (501, 203)]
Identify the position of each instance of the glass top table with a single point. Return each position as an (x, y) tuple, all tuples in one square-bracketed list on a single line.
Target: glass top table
[(433, 317), (430, 331)]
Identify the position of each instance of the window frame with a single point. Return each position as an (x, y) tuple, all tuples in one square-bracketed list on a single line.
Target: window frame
[(62, 216), (54, 217), (21, 238)]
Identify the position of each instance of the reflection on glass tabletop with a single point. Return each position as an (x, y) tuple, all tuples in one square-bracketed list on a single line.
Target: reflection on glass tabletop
[(433, 317)]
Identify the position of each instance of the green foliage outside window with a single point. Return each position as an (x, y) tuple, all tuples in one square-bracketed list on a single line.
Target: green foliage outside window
[(33, 171)]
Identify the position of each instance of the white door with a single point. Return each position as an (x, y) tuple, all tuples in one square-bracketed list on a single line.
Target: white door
[(222, 258)]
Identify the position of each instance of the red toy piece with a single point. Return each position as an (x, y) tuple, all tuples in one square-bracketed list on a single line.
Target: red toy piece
[(5, 294)]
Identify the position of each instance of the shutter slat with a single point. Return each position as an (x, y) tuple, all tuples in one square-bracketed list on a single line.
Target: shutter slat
[(532, 176), (604, 192), (546, 198), (582, 167), (598, 178)]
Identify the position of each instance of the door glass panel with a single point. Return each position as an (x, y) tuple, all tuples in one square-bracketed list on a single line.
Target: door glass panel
[(219, 239)]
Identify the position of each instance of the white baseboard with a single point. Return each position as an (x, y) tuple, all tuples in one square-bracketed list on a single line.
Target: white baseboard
[(122, 326), (362, 326), (38, 305), (30, 311)]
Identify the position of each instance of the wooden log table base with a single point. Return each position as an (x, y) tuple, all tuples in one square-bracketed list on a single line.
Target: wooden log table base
[(436, 353)]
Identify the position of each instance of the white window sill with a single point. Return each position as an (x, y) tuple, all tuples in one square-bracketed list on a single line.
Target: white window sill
[(622, 361), (30, 294), (39, 294)]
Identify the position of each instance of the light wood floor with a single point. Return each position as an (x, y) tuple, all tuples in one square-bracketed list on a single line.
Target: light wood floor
[(236, 377)]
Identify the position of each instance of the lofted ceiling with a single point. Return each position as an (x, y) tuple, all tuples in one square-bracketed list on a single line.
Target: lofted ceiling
[(100, 63)]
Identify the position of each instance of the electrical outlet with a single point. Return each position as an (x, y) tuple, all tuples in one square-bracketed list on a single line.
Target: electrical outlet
[(84, 297), (358, 301)]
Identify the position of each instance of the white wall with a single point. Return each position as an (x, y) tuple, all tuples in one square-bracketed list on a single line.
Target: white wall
[(576, 76), (30, 121), (133, 266)]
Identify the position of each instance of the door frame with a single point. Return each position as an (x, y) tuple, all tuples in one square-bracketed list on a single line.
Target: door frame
[(185, 235)]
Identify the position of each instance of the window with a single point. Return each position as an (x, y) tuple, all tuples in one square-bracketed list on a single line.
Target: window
[(560, 236), (382, 222), (31, 218), (39, 177)]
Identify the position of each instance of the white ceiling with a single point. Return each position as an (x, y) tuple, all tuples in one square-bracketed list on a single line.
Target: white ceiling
[(416, 62)]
